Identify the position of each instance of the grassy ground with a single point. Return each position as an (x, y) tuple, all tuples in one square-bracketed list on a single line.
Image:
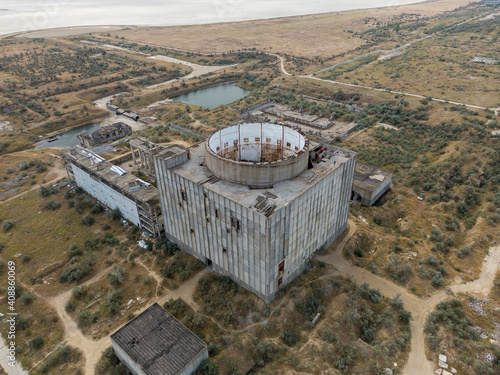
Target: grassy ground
[(466, 330), (243, 333)]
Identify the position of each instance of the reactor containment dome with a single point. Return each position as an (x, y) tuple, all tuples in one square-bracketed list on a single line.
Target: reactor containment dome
[(257, 154)]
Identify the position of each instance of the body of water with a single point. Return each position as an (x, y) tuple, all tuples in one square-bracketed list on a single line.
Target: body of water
[(212, 97), (28, 15), (68, 138)]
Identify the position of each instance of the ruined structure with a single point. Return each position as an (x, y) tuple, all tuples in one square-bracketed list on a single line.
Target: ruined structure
[(252, 204), (155, 343), (142, 151), (137, 200), (105, 134), (370, 183)]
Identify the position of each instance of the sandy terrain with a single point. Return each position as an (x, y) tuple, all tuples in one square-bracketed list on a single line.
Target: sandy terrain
[(312, 35), (66, 31)]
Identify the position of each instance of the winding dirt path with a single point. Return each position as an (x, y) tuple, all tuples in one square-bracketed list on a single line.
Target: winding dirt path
[(417, 364), (92, 349)]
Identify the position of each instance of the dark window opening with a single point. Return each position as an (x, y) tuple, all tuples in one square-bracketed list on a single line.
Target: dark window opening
[(192, 231), (208, 220), (216, 213), (235, 223), (288, 144), (281, 266), (208, 262), (183, 195), (224, 250), (205, 195)]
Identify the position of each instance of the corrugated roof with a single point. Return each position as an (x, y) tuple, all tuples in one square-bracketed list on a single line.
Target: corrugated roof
[(157, 342)]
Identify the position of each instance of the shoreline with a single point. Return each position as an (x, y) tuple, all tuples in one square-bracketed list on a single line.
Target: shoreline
[(105, 27)]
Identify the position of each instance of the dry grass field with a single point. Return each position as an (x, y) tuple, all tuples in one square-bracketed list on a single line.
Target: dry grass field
[(321, 35)]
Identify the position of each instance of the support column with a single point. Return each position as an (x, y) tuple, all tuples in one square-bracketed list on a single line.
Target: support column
[(133, 154)]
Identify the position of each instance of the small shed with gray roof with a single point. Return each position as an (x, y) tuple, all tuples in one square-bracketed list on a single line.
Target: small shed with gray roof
[(369, 184), (155, 343)]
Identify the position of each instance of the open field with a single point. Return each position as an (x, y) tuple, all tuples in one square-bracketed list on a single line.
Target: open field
[(320, 35)]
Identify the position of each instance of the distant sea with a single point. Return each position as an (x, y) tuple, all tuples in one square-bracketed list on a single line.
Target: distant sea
[(27, 15)]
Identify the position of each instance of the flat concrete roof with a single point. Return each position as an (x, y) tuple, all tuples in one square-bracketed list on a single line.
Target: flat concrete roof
[(369, 177), (157, 342), (280, 195), (101, 167)]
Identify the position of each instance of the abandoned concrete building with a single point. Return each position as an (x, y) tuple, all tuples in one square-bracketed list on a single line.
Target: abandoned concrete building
[(370, 183), (155, 343), (142, 150), (253, 202), (137, 200), (105, 134)]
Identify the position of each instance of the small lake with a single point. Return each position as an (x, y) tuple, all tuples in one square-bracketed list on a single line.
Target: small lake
[(68, 138), (212, 97)]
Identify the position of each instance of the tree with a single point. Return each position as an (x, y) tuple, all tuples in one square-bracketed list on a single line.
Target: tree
[(87, 220), (290, 337), (116, 214), (37, 342), (117, 276)]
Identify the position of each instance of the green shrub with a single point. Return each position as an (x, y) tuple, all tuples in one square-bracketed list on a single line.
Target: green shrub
[(97, 209), (84, 318), (37, 342), (117, 276), (52, 205), (290, 337), (113, 300), (26, 298), (26, 258), (46, 191), (116, 214), (464, 251), (70, 306), (7, 225), (87, 220), (68, 194), (437, 280)]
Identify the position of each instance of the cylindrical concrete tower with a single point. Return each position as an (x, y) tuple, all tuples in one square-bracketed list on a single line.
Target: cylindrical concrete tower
[(258, 155)]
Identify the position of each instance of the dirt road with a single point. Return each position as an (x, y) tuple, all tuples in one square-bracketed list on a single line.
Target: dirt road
[(418, 364), (92, 349), (197, 70)]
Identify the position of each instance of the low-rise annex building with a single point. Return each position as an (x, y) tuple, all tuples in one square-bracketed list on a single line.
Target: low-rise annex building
[(155, 343), (105, 134), (370, 183), (253, 204), (136, 199)]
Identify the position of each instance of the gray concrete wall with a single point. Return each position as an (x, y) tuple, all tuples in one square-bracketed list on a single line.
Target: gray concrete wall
[(257, 174), (311, 222), (107, 195), (195, 363), (137, 370), (199, 221), (369, 197), (126, 360), (196, 227)]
